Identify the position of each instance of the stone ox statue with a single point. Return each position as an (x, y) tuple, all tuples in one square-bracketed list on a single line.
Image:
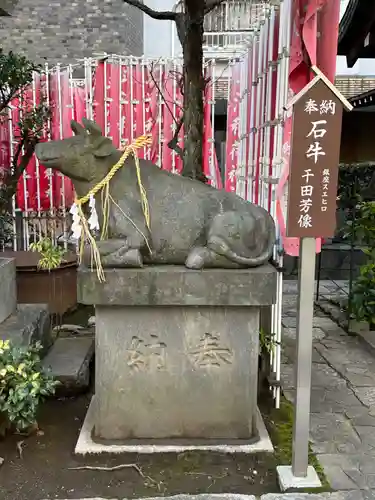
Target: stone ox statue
[(191, 223)]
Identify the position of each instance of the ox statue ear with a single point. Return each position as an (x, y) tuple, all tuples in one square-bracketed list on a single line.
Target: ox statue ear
[(92, 127), (103, 148), (77, 128)]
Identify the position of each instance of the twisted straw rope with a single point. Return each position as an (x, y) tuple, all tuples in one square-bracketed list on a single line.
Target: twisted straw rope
[(140, 142)]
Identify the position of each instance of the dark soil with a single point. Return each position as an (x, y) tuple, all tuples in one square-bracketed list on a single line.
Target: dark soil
[(43, 470)]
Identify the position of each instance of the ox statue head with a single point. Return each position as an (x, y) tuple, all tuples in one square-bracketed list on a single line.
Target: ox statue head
[(84, 157)]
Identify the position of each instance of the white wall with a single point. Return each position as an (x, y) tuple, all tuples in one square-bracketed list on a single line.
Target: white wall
[(157, 40), (363, 67)]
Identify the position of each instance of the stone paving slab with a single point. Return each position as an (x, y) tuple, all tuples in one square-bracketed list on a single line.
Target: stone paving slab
[(334, 433), (322, 376), (334, 400), (290, 333), (350, 471), (361, 416), (366, 396), (340, 495), (204, 496), (342, 427)]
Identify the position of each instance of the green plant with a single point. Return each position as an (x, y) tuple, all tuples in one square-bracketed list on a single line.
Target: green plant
[(23, 384), (362, 229), (16, 75), (51, 255), (6, 229), (267, 342), (354, 184), (362, 303)]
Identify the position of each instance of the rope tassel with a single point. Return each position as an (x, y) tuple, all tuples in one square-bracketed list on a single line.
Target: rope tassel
[(82, 228)]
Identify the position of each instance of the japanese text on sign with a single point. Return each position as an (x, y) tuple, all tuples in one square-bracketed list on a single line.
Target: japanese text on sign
[(314, 163)]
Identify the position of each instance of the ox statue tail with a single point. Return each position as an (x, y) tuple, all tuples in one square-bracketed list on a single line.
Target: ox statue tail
[(222, 248)]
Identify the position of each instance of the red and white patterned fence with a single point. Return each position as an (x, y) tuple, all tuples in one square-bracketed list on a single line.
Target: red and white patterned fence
[(127, 97)]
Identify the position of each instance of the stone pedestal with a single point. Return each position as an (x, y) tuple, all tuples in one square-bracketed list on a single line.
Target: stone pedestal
[(177, 351), (8, 295)]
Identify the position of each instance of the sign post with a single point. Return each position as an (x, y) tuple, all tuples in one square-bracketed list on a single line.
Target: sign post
[(312, 193)]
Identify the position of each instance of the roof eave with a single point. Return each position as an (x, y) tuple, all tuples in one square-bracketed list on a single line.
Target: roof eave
[(356, 24)]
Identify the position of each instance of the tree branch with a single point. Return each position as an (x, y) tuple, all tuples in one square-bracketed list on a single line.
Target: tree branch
[(161, 93), (159, 15), (211, 5), (173, 143)]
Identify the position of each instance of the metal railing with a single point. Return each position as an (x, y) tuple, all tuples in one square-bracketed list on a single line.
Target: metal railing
[(227, 28), (234, 15)]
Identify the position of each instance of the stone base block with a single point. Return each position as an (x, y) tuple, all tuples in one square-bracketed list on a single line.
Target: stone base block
[(69, 362), (30, 323), (287, 481), (177, 351), (86, 445), (176, 372)]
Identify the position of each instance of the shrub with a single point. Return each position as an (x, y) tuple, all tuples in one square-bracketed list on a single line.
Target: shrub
[(362, 229), (51, 255), (24, 384)]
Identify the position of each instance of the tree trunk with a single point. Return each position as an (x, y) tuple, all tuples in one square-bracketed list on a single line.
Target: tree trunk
[(193, 90)]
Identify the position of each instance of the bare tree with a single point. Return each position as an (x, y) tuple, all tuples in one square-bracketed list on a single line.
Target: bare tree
[(189, 24)]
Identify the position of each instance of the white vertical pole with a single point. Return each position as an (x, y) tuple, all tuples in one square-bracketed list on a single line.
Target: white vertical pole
[(160, 111), (37, 169), (143, 66), (288, 16), (25, 215), (120, 100), (105, 88), (252, 84), (89, 88), (258, 112), (11, 151), (131, 73), (281, 83), (48, 170), (62, 194), (242, 127), (265, 33), (71, 91), (174, 125), (269, 189), (301, 429), (213, 97)]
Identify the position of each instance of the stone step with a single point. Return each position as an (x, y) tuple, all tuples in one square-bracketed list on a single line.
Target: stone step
[(69, 362), (30, 323)]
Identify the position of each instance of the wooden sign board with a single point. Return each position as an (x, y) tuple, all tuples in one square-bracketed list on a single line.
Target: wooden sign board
[(315, 151)]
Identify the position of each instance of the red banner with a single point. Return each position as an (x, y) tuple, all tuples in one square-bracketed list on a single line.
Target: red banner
[(233, 126), (129, 99)]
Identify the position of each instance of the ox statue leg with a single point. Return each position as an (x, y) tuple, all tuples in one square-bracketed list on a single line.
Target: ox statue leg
[(115, 253)]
